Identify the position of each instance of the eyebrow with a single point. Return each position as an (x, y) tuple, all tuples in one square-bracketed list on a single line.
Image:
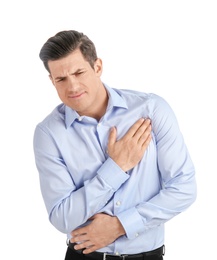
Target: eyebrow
[(77, 71), (59, 78)]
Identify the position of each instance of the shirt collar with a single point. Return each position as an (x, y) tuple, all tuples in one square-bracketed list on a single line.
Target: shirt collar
[(115, 100)]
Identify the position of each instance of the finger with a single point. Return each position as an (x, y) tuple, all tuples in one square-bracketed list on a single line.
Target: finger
[(79, 232), (146, 142), (134, 128), (83, 245), (144, 135), (89, 249), (143, 130), (78, 237)]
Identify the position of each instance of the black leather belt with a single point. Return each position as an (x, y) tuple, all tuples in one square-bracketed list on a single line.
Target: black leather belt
[(104, 256)]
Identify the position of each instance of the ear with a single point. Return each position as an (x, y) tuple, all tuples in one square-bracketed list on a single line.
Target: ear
[(98, 67)]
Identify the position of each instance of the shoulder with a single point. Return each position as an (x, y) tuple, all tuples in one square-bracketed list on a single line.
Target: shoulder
[(55, 119), (132, 93), (153, 100), (155, 106)]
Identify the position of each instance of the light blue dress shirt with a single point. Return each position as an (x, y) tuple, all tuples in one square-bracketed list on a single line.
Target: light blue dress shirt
[(78, 179)]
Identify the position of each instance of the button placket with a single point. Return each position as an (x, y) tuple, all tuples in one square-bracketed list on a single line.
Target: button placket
[(103, 133)]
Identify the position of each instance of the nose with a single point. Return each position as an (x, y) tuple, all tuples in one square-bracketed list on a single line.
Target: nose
[(73, 83)]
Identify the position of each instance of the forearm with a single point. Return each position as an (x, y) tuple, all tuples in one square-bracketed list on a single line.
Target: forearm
[(75, 209), (169, 202)]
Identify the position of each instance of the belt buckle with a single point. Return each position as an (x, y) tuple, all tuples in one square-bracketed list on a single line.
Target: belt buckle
[(122, 257)]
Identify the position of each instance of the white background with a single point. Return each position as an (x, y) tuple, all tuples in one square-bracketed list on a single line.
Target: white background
[(165, 47)]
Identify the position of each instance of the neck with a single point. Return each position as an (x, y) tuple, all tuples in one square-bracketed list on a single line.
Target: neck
[(102, 105)]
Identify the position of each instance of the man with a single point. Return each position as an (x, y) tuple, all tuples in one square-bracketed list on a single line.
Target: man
[(113, 164)]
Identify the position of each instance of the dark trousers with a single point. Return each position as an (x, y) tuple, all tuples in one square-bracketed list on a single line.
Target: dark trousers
[(73, 255)]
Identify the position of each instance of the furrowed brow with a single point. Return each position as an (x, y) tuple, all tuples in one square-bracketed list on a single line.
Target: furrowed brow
[(59, 78), (77, 71)]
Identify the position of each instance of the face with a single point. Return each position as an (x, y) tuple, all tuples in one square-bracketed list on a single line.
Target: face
[(78, 84)]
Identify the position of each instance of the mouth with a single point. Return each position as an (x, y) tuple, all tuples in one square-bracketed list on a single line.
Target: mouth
[(76, 96)]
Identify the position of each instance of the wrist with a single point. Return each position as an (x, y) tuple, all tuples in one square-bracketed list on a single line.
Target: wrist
[(119, 228)]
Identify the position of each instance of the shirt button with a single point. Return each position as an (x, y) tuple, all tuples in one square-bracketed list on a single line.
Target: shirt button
[(137, 234), (117, 253), (99, 124), (80, 118), (118, 203)]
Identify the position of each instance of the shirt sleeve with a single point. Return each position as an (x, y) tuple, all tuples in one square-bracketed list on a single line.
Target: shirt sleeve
[(176, 171), (68, 206)]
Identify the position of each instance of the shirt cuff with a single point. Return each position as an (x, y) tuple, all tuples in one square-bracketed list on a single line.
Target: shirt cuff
[(112, 174), (131, 222)]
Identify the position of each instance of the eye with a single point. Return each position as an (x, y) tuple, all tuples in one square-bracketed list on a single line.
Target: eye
[(59, 79), (79, 73)]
